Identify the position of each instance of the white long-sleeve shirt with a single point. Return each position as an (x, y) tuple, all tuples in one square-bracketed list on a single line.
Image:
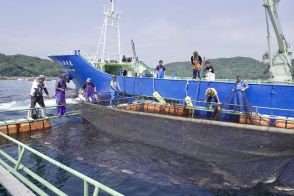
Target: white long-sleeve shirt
[(37, 87), (114, 86)]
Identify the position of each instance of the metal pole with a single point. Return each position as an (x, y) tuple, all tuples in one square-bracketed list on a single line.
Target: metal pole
[(268, 40), (118, 35), (20, 157), (104, 39), (96, 191), (62, 166), (86, 188)]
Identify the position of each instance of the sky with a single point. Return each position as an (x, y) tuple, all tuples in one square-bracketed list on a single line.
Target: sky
[(162, 29)]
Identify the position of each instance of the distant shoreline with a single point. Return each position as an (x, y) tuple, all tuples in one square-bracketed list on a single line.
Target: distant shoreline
[(24, 78)]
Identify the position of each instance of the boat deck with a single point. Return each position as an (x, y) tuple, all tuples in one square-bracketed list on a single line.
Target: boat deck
[(12, 184)]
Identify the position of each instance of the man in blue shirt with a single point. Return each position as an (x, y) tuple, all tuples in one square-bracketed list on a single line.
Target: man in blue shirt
[(239, 90), (160, 69)]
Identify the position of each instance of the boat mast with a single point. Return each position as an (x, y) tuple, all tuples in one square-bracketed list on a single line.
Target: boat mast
[(109, 42), (280, 64)]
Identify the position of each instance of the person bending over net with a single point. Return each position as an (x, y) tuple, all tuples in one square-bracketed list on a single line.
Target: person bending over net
[(89, 91), (211, 94)]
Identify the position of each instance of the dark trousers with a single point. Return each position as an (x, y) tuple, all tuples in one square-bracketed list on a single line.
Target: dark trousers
[(196, 73), (209, 99), (37, 99)]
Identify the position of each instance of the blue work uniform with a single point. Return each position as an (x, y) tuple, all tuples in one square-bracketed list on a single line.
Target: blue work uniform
[(114, 91), (239, 92), (160, 71)]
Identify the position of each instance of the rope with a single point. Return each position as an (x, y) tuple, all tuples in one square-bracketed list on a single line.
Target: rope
[(186, 90), (153, 84)]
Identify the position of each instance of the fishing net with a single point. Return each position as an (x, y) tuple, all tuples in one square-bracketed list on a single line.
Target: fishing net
[(236, 108), (237, 157)]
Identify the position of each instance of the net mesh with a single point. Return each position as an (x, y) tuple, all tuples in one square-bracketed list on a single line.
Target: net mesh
[(242, 157)]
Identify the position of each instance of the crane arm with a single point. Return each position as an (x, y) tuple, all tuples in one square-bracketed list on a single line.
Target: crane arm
[(134, 51), (271, 7)]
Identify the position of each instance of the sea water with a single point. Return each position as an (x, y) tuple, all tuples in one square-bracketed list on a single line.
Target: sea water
[(128, 167)]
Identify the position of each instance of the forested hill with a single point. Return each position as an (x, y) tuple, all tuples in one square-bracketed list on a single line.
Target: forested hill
[(224, 68), (21, 65)]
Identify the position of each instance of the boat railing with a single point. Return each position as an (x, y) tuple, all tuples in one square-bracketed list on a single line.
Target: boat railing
[(16, 166), (37, 107), (201, 105)]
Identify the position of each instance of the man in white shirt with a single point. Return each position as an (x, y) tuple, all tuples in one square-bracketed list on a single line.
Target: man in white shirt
[(114, 90), (37, 90)]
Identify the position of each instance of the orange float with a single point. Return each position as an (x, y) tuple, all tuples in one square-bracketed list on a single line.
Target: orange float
[(289, 124), (176, 111), (133, 107), (22, 127), (254, 120), (154, 108)]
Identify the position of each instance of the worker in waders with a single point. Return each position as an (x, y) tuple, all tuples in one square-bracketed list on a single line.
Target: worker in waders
[(239, 90), (60, 88), (196, 61), (160, 69), (114, 91), (38, 87), (89, 91)]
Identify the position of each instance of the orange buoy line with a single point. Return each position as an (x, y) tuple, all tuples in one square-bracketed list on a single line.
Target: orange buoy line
[(23, 125), (181, 111)]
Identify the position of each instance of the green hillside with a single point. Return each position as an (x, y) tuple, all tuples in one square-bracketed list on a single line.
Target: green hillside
[(224, 68), (292, 66), (21, 65)]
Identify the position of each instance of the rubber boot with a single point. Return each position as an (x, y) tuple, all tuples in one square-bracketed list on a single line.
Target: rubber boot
[(43, 113), (29, 115)]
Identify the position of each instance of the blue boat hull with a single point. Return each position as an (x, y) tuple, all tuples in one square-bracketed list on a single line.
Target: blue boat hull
[(265, 96)]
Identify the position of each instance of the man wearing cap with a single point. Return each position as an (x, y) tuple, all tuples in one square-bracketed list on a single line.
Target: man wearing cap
[(89, 91), (114, 90), (196, 61), (60, 88), (37, 90)]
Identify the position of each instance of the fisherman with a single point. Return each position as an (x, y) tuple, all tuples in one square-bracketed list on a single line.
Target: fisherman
[(89, 91), (239, 90), (37, 97), (196, 61), (160, 69), (209, 71), (114, 90), (60, 88), (124, 59), (210, 94)]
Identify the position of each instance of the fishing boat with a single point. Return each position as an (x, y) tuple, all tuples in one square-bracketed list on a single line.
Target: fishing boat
[(272, 97)]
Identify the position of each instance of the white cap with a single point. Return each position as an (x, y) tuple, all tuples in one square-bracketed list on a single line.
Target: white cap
[(41, 77)]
